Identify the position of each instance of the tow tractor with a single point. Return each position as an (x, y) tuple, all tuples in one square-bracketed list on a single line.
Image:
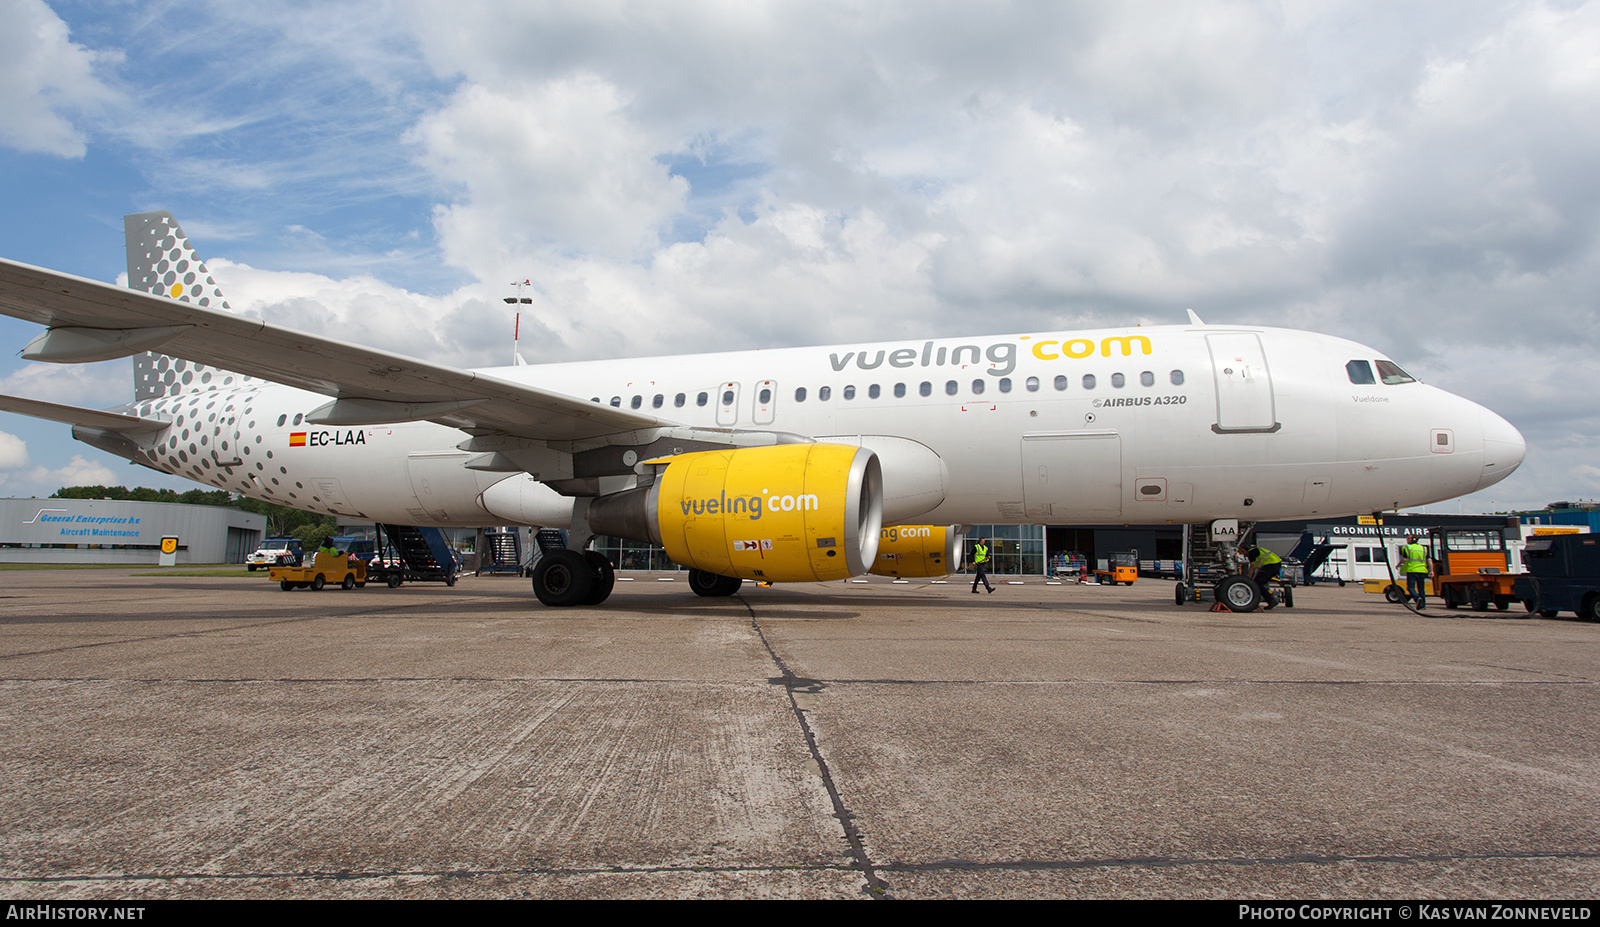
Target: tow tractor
[(349, 572), (1470, 567), (1121, 567)]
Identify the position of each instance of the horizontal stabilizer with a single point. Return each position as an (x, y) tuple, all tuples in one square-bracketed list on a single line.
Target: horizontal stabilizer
[(89, 418)]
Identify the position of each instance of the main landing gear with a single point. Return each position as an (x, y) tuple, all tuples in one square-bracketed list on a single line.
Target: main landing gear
[(712, 585), (565, 577)]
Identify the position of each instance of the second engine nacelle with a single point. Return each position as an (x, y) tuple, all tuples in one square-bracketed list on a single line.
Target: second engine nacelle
[(786, 513), (918, 550)]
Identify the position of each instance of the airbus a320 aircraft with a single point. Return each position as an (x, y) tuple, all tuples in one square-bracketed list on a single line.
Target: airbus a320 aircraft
[(799, 464)]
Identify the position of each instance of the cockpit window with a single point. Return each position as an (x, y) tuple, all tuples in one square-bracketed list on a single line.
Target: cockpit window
[(1360, 372), (1392, 374)]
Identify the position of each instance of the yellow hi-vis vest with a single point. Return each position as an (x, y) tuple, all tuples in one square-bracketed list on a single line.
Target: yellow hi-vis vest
[(1266, 558), (980, 554), (1414, 558)]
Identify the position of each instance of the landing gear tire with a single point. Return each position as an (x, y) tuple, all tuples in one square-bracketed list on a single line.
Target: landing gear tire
[(562, 578), (603, 580), (1394, 594), (1239, 593), (712, 585), (317, 582)]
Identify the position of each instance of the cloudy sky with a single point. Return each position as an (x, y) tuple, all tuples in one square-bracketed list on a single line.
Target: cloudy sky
[(684, 176)]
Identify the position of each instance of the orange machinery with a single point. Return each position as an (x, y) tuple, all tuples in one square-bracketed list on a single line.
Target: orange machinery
[(1470, 566)]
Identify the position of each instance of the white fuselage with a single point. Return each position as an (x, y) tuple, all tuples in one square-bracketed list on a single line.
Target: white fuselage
[(1140, 426)]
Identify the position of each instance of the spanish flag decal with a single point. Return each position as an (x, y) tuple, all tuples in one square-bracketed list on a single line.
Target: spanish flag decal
[(297, 439)]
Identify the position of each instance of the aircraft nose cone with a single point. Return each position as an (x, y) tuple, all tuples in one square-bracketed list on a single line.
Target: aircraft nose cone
[(1503, 449)]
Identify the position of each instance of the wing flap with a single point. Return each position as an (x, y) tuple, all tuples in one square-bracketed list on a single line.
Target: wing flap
[(310, 362)]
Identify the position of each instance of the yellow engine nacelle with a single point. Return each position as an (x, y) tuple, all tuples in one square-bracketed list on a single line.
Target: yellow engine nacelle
[(786, 513), (918, 550)]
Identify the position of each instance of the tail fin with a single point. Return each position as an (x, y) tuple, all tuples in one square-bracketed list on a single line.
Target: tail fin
[(161, 261)]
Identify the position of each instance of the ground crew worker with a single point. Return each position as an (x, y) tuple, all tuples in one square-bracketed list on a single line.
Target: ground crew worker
[(1264, 565), (328, 548), (980, 559), (1414, 566)]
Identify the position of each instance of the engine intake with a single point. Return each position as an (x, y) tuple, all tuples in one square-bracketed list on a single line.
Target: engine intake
[(918, 550), (787, 513)]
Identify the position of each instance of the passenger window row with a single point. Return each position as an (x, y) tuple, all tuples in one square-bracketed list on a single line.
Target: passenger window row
[(925, 388)]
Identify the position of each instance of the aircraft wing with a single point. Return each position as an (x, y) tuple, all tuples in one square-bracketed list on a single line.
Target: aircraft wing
[(368, 383)]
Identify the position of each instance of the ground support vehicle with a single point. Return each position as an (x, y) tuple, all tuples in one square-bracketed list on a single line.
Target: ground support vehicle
[(404, 553), (1121, 567), (1468, 567), (1563, 576), (274, 552), (349, 572)]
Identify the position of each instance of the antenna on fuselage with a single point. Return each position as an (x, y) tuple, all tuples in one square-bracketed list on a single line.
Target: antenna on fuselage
[(516, 326)]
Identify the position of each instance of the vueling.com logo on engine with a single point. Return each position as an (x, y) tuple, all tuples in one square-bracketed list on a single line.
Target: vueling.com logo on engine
[(753, 506)]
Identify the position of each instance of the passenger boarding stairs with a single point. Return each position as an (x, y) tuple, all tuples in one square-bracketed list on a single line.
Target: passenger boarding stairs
[(422, 554), (500, 551)]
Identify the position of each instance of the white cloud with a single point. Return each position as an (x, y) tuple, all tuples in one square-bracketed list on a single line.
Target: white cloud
[(13, 452), (560, 164), (44, 80)]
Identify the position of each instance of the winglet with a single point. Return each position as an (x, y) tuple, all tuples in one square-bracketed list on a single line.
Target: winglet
[(1193, 319)]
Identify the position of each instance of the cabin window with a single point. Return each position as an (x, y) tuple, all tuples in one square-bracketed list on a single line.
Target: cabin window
[(657, 402), (1088, 381), (594, 398), (1177, 378), (1118, 381), (800, 394), (636, 402), (1033, 384), (677, 401), (727, 397), (899, 391), (977, 387), (616, 402), (926, 389), (765, 395), (849, 392), (951, 387), (1147, 379), (1005, 384), (297, 418), (1360, 372), (872, 391), (701, 399), (1392, 374), (824, 393)]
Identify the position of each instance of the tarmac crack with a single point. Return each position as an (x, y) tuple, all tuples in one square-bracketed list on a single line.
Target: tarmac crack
[(875, 886), (935, 866)]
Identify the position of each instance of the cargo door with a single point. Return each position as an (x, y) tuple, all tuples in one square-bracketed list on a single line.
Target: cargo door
[(1072, 477), (1244, 384)]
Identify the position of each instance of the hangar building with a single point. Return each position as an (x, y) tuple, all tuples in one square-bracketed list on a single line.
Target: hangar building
[(104, 531)]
